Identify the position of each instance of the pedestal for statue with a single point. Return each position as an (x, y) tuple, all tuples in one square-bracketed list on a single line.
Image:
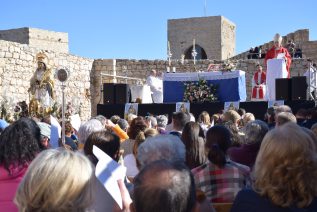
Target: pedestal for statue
[(276, 68)]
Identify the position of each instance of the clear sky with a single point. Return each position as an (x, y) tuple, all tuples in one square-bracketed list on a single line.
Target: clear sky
[(137, 29)]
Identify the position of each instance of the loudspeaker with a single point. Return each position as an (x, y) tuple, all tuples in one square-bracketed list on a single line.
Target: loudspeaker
[(299, 88), (122, 93), (283, 89), (108, 93)]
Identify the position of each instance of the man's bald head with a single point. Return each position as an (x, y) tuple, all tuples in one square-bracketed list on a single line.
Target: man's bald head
[(164, 186)]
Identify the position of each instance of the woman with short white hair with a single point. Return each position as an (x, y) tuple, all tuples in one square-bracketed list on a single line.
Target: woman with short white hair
[(86, 129), (57, 180)]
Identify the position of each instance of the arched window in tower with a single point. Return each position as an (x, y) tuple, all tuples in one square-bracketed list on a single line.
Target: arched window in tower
[(201, 54)]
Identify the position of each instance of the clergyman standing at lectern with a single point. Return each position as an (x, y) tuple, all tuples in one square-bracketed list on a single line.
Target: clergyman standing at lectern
[(156, 86), (278, 51), (278, 61)]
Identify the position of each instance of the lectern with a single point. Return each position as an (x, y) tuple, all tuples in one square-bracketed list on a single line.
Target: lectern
[(276, 68)]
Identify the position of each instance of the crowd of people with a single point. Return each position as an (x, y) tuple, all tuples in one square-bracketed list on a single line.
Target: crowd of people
[(182, 165), (259, 53)]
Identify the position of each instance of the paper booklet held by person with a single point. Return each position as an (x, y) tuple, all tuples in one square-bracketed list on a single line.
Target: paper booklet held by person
[(280, 56), (108, 173)]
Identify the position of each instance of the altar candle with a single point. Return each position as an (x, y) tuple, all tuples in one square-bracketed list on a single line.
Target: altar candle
[(194, 41), (169, 54), (168, 69), (174, 69)]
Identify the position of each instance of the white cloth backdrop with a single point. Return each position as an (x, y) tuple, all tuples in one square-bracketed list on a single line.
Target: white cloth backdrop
[(141, 91)]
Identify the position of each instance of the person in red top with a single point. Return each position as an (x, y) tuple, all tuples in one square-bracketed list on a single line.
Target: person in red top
[(259, 84), (19, 145), (279, 49)]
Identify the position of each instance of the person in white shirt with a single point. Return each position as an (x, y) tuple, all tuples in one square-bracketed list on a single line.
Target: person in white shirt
[(156, 85)]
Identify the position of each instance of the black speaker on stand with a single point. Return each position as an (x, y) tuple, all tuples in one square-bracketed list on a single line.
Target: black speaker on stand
[(299, 88), (122, 93), (108, 93), (283, 89)]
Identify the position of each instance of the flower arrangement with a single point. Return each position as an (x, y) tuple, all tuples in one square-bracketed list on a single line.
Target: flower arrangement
[(6, 108), (224, 67), (200, 92), (12, 112), (228, 66), (21, 110)]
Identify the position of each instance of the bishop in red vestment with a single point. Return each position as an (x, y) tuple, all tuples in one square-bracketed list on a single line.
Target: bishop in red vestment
[(277, 49)]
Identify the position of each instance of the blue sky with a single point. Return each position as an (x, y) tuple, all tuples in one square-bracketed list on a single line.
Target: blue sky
[(137, 29)]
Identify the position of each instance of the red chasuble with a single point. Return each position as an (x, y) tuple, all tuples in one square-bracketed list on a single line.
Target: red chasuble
[(272, 53), (258, 81)]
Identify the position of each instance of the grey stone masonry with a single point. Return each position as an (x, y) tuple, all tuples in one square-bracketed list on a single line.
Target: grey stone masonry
[(215, 34), (299, 37), (18, 64), (37, 38)]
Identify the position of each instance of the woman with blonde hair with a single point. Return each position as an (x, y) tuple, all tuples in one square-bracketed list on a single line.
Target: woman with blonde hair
[(285, 173), (204, 121), (57, 180), (248, 117)]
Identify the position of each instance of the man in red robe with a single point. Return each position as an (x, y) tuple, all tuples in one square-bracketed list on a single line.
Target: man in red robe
[(279, 49), (259, 85)]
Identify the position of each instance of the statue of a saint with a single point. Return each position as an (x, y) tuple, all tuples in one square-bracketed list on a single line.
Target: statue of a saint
[(41, 86)]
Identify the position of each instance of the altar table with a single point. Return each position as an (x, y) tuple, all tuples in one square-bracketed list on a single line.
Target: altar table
[(231, 85)]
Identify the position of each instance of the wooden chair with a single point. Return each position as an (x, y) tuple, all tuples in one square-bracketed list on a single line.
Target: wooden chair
[(222, 207)]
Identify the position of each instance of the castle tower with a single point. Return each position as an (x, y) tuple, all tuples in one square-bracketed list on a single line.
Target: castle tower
[(37, 38), (215, 37)]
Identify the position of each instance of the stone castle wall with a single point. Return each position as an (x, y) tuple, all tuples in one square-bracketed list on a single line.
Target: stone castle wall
[(310, 50), (300, 38), (18, 64), (215, 34), (37, 38), (141, 68), (228, 38)]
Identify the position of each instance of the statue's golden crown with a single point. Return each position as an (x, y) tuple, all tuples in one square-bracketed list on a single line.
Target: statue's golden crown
[(41, 57)]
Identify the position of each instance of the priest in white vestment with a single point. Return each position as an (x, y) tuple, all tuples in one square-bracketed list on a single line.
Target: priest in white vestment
[(156, 85)]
